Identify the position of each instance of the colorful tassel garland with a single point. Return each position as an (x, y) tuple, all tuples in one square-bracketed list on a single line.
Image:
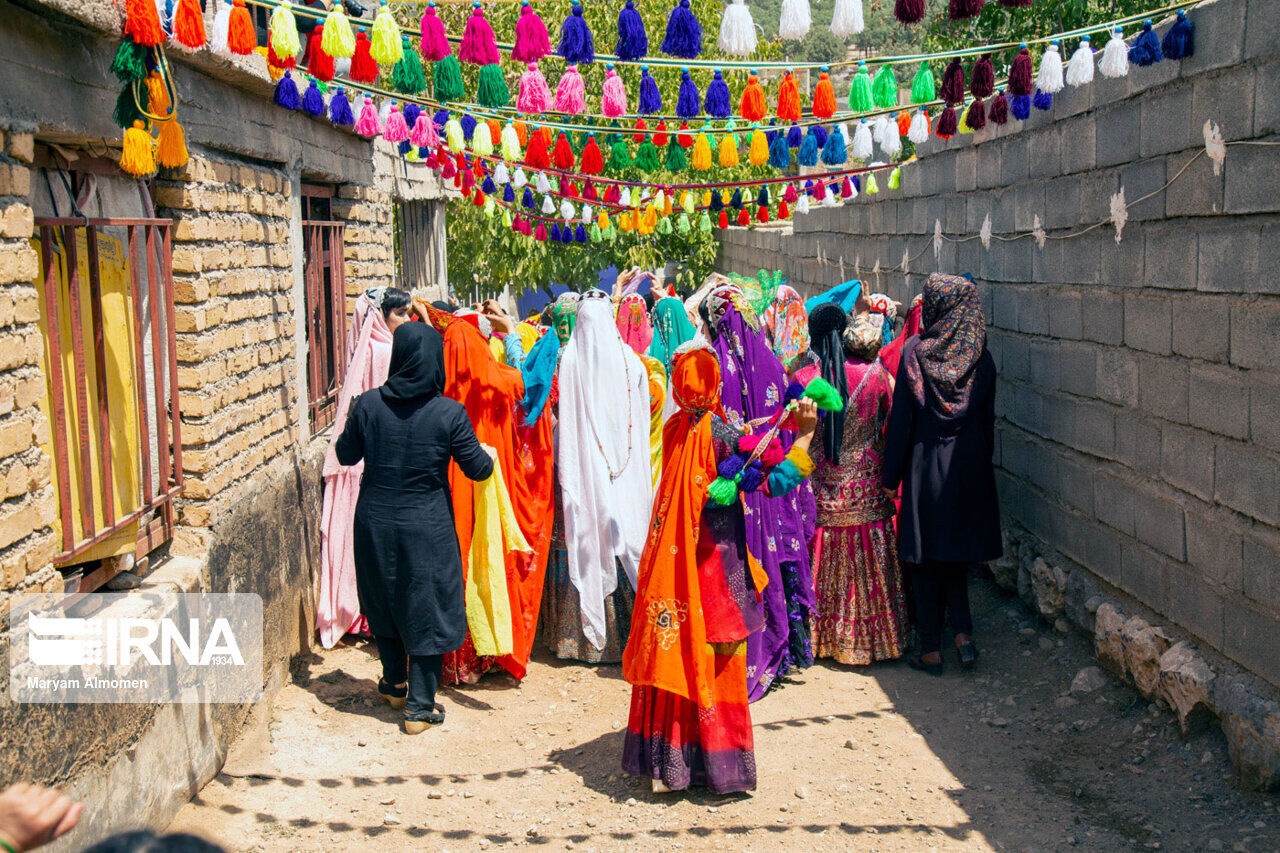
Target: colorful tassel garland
[(633, 41), (861, 99), (363, 68), (758, 150), (448, 79), (388, 48), (312, 100), (789, 98), (834, 152), (919, 132), (241, 38), (286, 93), (492, 90), (532, 41), (407, 77), (1080, 68), (1180, 41), (613, 100), (998, 113), (435, 42), (650, 96), (534, 95), (577, 45), (479, 46), (794, 20), (960, 10), (728, 153), (779, 153), (824, 97), (983, 80), (752, 105), (717, 102), (737, 30), (338, 41), (846, 19), (188, 31), (1146, 47), (137, 158), (571, 97), (684, 33), (923, 90), (142, 26), (1115, 56), (952, 91), (1049, 78), (171, 147), (909, 11), (1020, 80), (676, 161), (688, 102)]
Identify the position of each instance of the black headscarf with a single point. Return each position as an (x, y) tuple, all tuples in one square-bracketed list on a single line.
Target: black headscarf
[(417, 363), (826, 336), (941, 368)]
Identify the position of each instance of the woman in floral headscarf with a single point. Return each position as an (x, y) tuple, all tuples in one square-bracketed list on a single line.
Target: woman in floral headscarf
[(787, 324), (939, 443), (637, 332)]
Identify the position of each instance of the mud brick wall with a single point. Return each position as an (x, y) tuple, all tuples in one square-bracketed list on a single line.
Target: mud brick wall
[(369, 254), (1139, 395)]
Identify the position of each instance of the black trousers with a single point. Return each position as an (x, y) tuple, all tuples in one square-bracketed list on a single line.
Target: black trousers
[(941, 592), (421, 671)]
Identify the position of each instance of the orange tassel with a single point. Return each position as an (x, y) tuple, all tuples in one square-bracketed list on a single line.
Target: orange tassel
[(824, 98), (789, 99), (142, 23), (188, 24), (495, 129), (904, 123), (171, 150), (158, 103), (241, 39), (752, 107), (522, 133)]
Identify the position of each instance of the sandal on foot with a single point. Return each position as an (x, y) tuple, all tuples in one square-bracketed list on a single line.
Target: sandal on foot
[(396, 695), (918, 662), (429, 720)]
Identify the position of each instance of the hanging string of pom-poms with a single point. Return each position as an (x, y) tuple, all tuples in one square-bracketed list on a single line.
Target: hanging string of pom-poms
[(148, 100)]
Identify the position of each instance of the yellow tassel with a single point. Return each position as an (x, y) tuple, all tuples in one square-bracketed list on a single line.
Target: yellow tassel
[(386, 49), (337, 39), (137, 158), (728, 154), (706, 198), (702, 152), (284, 32), (157, 96), (758, 153), (650, 218), (602, 221), (171, 149)]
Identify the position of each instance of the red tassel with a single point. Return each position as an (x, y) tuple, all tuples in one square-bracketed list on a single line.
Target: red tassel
[(684, 139), (319, 63), (948, 123), (724, 219), (188, 24), (536, 155), (363, 68), (241, 39), (744, 218), (284, 64), (478, 199), (612, 195), (563, 155), (660, 135), (641, 127), (784, 212), (763, 214), (789, 99), (142, 23), (573, 187), (589, 192)]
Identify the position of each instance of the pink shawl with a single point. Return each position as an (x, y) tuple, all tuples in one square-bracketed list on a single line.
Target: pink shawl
[(634, 324)]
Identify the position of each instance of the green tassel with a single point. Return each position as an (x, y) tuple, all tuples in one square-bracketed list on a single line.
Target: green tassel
[(923, 88), (647, 157), (824, 394), (676, 161), (683, 224), (130, 63), (407, 77), (860, 100), (619, 156), (127, 111), (664, 225), (704, 224), (448, 76), (722, 491), (493, 91), (594, 233), (884, 89)]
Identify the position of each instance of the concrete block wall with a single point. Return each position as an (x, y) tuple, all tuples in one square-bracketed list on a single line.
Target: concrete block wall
[(1139, 389)]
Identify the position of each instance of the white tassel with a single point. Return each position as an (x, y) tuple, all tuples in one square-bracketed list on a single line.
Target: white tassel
[(501, 175), (384, 113), (566, 209), (341, 65), (862, 143), (854, 186), (541, 184), (891, 145), (548, 206), (802, 204), (1049, 78), (1115, 57), (832, 198), (588, 213), (919, 132), (844, 132), (221, 26), (846, 18), (737, 30), (795, 20), (624, 198), (1080, 68), (519, 180), (880, 127)]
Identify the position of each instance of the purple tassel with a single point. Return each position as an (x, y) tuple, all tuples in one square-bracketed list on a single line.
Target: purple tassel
[(909, 11), (1146, 47), (948, 123), (998, 113), (1020, 73), (857, 183), (580, 233), (983, 82), (468, 126), (688, 104), (752, 477), (633, 41), (404, 147), (508, 194), (795, 136), (794, 392), (717, 102), (286, 94), (488, 186), (555, 232), (976, 117), (952, 91), (577, 45), (440, 117), (1180, 41), (411, 112), (650, 97), (340, 109), (313, 101), (684, 33), (526, 200), (1043, 100), (1020, 107), (820, 134), (729, 468)]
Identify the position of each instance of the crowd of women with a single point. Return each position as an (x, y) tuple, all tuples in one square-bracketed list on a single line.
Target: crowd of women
[(712, 489)]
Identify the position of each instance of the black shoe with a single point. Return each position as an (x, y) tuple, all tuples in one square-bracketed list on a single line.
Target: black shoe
[(968, 655), (394, 695), (918, 662), (419, 723)]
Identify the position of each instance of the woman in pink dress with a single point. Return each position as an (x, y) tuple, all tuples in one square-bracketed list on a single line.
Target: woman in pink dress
[(378, 312)]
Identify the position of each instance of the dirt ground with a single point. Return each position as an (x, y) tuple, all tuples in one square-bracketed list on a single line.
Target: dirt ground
[(875, 759)]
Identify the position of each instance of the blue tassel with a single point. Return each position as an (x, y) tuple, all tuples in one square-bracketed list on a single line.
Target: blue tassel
[(779, 153), (526, 200), (1180, 41), (404, 147), (833, 153), (580, 233), (633, 41), (313, 101), (286, 94), (577, 45), (809, 148), (566, 234), (752, 476), (795, 136), (729, 468), (650, 97), (857, 183), (763, 198), (340, 109), (488, 186), (684, 33), (411, 112), (508, 194), (468, 123), (820, 133), (1020, 107), (688, 104), (1146, 47), (1043, 100), (555, 232), (424, 153), (808, 187), (717, 202), (736, 201), (440, 118), (771, 132), (717, 103)]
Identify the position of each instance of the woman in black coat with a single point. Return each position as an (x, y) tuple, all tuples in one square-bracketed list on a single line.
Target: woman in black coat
[(408, 567), (938, 447)]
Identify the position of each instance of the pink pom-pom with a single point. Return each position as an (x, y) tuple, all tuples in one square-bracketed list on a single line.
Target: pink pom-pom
[(396, 130), (424, 132), (790, 196), (747, 443), (571, 94), (614, 101), (435, 43), (774, 454), (541, 234), (479, 47), (532, 42), (535, 96), (367, 124)]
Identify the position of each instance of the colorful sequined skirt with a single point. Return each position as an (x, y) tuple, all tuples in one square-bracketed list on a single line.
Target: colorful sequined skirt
[(560, 620), (862, 614)]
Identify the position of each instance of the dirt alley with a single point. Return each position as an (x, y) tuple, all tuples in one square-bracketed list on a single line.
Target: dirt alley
[(882, 758)]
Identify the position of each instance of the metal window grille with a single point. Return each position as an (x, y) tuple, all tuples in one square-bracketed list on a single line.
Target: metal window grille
[(326, 289)]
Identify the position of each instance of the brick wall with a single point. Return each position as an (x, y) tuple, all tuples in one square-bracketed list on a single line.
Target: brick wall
[(1139, 389)]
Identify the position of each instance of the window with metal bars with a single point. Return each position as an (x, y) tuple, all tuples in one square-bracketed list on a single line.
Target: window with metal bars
[(325, 282)]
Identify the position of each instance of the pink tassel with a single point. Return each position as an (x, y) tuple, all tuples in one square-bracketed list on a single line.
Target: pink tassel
[(367, 124), (614, 100), (435, 43), (479, 47), (571, 94), (396, 130), (534, 95), (424, 132), (532, 42)]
